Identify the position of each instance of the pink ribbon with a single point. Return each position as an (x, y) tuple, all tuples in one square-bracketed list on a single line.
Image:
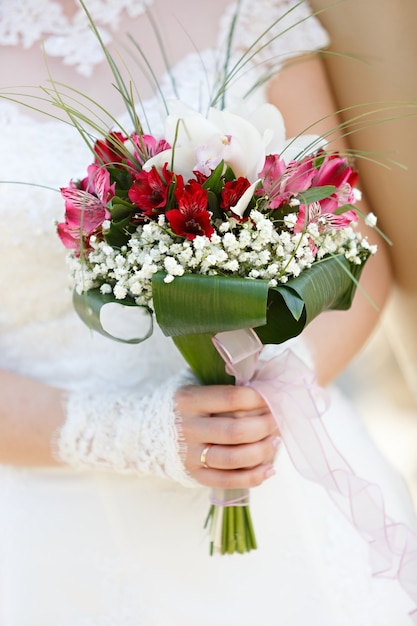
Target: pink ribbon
[(289, 388)]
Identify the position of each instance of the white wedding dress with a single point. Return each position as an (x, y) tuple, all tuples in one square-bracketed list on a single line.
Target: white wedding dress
[(97, 547)]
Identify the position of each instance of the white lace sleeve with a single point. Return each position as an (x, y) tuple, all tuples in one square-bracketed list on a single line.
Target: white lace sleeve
[(126, 432)]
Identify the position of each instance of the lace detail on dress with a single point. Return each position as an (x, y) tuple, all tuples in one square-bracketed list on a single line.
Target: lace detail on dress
[(279, 29), (24, 22), (126, 433)]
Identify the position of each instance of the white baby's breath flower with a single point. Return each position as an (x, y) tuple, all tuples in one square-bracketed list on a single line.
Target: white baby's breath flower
[(230, 241), (224, 227), (200, 242), (293, 268), (371, 220), (244, 238), (120, 293), (357, 194), (263, 257), (290, 220), (172, 266), (232, 266)]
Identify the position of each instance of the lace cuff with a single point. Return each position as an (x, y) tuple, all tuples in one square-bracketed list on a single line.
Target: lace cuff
[(126, 432)]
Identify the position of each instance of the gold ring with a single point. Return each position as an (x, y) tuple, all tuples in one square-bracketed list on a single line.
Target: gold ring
[(203, 457)]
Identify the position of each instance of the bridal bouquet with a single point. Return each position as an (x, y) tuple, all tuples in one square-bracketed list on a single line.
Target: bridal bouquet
[(221, 224)]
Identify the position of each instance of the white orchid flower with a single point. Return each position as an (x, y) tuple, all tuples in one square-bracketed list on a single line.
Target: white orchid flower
[(241, 139), (200, 143)]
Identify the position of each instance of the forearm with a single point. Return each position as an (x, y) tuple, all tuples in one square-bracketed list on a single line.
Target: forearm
[(162, 433), (89, 429), (335, 337), (31, 413)]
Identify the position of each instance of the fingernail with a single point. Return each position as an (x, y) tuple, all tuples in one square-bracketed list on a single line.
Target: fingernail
[(270, 472), (277, 442)]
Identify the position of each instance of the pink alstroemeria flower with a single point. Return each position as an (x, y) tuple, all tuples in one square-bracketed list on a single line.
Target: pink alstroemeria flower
[(337, 172), (281, 181), (85, 207), (322, 218), (144, 147)]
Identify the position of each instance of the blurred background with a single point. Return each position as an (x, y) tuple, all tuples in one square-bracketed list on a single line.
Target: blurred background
[(372, 64)]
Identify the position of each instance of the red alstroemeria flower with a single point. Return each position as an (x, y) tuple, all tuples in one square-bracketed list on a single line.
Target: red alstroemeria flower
[(109, 151), (149, 191), (85, 207), (191, 218), (232, 191), (200, 177), (281, 181)]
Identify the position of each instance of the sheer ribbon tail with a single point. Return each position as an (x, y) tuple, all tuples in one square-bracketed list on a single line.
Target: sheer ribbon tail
[(289, 388)]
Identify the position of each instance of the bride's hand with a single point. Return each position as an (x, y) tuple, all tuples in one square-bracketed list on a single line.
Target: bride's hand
[(231, 437)]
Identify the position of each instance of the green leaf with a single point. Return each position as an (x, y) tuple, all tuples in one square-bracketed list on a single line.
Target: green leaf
[(201, 355), (213, 206), (119, 232), (315, 194), (329, 284), (89, 304), (121, 177), (215, 181), (195, 304), (345, 207), (120, 211), (293, 301)]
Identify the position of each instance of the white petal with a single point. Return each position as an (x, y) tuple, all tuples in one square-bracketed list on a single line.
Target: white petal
[(245, 154), (191, 129), (298, 147), (184, 161), (242, 204), (270, 123)]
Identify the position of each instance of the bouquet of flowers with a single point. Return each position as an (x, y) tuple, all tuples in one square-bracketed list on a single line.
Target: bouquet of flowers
[(221, 224)]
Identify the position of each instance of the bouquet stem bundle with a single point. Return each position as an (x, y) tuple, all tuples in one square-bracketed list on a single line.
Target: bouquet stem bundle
[(229, 518), (230, 521)]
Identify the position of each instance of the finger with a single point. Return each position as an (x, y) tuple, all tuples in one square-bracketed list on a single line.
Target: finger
[(235, 414), (234, 479), (238, 457), (228, 430), (217, 399)]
